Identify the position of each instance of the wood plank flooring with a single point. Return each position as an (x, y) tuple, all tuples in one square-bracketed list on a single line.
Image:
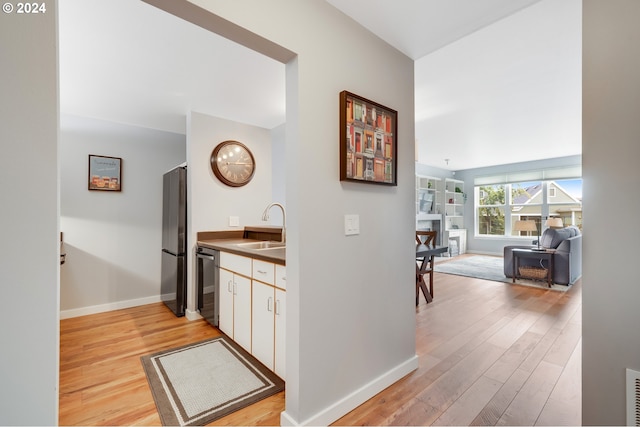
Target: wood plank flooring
[(102, 381), (490, 354)]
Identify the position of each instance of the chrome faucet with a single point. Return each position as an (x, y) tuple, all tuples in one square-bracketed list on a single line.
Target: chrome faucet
[(265, 217)]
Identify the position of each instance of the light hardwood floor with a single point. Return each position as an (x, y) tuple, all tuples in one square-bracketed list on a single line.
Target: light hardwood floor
[(490, 354)]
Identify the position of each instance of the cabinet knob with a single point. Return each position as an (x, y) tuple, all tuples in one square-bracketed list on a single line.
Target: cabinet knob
[(270, 304)]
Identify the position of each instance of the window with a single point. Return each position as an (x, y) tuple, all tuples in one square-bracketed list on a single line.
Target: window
[(491, 209), (530, 200), (567, 204), (526, 204)]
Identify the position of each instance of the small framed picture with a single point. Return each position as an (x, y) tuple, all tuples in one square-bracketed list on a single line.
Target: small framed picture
[(368, 141), (105, 173)]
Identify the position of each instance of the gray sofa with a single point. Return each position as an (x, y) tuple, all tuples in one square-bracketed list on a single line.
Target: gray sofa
[(567, 260)]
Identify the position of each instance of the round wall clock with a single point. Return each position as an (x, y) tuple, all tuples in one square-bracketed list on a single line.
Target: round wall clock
[(232, 163)]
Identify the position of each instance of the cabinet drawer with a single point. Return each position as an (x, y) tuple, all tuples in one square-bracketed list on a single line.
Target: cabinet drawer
[(236, 263), (263, 271), (281, 276)]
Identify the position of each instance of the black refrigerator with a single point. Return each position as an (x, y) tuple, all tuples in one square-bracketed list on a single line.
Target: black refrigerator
[(174, 240)]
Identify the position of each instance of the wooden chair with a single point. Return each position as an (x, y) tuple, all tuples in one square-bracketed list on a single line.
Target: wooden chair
[(426, 237), (425, 265)]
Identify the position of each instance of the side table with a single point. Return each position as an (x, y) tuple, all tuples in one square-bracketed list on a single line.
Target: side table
[(533, 254)]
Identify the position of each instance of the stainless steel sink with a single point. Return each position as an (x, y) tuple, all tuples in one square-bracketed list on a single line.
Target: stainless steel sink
[(269, 244)]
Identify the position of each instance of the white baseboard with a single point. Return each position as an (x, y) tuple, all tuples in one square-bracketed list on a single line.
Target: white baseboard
[(94, 309), (356, 398)]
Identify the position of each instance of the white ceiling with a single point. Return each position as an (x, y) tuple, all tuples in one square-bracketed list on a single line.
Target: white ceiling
[(506, 88), (129, 62)]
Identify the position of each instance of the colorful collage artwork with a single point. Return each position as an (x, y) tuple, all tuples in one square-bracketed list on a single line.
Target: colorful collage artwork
[(369, 141)]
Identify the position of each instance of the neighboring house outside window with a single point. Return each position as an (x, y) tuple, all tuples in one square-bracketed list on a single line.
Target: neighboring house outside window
[(567, 204), (526, 204)]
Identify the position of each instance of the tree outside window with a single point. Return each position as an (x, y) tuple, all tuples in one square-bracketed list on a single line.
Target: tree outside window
[(491, 210)]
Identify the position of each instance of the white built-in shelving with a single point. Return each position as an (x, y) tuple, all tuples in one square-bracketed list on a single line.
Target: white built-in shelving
[(440, 207), (454, 233)]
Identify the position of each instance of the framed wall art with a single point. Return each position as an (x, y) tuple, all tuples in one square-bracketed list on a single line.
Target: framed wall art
[(368, 141), (105, 173)]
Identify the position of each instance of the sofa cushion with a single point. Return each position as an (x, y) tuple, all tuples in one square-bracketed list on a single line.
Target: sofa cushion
[(552, 237)]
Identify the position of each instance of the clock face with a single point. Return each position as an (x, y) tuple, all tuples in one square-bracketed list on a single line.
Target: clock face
[(232, 163)]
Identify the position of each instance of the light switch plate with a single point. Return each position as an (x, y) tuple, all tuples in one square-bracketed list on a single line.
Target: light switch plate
[(351, 224), (234, 221)]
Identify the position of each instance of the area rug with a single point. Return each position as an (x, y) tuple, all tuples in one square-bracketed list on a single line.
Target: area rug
[(201, 382), (488, 268)]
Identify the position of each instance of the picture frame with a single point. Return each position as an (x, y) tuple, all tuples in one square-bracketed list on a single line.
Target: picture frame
[(105, 173), (368, 141)]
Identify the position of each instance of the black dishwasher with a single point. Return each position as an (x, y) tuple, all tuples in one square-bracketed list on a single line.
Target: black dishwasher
[(207, 279)]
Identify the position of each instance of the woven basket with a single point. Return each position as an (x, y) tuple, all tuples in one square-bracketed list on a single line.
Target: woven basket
[(533, 272)]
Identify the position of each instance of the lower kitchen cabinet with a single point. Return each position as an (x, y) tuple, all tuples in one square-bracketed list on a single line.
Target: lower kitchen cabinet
[(268, 326), (235, 302), (253, 307), (280, 312), (263, 323), (225, 319)]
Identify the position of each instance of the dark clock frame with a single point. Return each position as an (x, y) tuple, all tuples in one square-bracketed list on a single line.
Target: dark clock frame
[(218, 173)]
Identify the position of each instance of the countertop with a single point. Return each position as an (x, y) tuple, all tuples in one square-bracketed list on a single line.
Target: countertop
[(227, 241)]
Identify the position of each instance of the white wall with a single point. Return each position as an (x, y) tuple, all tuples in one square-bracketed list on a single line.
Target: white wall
[(350, 300), (611, 129), (113, 240), (29, 263), (278, 171), (210, 202), (432, 171)]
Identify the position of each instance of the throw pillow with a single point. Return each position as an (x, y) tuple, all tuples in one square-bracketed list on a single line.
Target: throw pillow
[(552, 237)]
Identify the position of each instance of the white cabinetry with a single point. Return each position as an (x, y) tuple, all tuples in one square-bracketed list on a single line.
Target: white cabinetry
[(454, 198), (280, 341), (440, 207), (456, 241), (263, 323), (235, 298), (429, 204), (225, 319), (253, 307), (269, 305), (454, 235), (428, 196)]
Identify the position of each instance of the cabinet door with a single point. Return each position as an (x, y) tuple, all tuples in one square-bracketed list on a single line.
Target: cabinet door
[(280, 338), (263, 323), (281, 276), (225, 323), (242, 311), (463, 241)]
